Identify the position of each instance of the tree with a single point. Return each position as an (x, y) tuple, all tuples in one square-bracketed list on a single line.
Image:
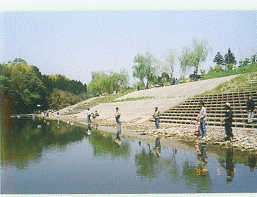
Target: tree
[(191, 58), (219, 59), (254, 58), (103, 82), (229, 59), (170, 61), (143, 67)]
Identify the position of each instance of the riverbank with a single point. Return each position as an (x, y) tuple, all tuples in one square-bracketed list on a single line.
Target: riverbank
[(244, 139)]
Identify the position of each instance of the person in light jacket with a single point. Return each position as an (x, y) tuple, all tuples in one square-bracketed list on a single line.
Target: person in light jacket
[(202, 116)]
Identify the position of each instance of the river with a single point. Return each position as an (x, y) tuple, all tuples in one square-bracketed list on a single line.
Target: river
[(49, 157)]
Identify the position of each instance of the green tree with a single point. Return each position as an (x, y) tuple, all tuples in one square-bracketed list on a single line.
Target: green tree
[(191, 58), (19, 61), (169, 58), (254, 58), (219, 59), (104, 82), (229, 59), (143, 67)]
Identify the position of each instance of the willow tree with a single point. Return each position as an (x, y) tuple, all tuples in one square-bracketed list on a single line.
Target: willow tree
[(143, 67), (192, 57), (169, 59)]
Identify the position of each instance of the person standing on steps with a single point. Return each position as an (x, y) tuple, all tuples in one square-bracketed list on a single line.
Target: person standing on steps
[(228, 119), (202, 118), (250, 108), (157, 118), (117, 118)]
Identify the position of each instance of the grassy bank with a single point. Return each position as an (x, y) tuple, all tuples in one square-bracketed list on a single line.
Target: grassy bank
[(242, 70), (242, 83), (99, 100)]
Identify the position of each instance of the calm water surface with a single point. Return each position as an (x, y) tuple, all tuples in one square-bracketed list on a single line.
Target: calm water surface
[(46, 157)]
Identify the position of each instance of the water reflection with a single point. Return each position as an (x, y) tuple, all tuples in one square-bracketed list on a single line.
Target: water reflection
[(23, 140), (252, 162), (104, 145), (146, 163), (228, 165), (201, 150), (198, 177), (157, 147)]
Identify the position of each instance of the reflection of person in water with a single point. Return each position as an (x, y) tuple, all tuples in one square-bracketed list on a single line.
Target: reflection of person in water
[(202, 156), (157, 147), (252, 162), (229, 165)]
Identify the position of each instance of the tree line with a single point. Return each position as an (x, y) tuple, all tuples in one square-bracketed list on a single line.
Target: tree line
[(24, 89)]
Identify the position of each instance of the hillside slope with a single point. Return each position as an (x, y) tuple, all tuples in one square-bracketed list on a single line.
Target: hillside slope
[(163, 97)]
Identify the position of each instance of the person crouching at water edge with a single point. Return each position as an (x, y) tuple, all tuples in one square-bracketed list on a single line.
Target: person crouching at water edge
[(157, 118), (228, 119), (202, 118), (117, 118), (94, 116)]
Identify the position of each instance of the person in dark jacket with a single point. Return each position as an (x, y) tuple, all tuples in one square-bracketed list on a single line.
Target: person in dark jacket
[(228, 119), (250, 108)]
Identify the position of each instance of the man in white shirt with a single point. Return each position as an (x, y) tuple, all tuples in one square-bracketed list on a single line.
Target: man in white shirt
[(202, 118)]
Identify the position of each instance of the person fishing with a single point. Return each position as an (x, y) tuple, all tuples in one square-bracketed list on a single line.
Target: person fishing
[(117, 118), (228, 119), (202, 118), (157, 118)]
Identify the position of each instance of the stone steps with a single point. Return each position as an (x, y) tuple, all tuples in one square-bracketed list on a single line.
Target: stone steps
[(210, 119), (219, 114), (186, 112)]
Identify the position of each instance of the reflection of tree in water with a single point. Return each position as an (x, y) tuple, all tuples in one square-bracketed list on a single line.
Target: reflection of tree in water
[(229, 165), (174, 168), (105, 145), (23, 142), (252, 162), (147, 164)]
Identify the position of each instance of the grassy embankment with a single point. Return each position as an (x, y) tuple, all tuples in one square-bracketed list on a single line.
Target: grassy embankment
[(242, 70), (241, 83), (108, 99)]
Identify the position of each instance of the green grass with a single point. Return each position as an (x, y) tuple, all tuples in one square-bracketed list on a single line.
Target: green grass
[(108, 98), (133, 99), (246, 69), (234, 85)]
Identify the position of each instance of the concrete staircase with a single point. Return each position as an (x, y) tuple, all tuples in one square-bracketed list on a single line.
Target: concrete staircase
[(186, 112)]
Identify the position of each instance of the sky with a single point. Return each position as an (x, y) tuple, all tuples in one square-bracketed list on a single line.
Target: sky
[(75, 43)]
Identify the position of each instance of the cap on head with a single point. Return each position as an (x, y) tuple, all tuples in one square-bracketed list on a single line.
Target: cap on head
[(201, 103), (228, 104), (117, 108)]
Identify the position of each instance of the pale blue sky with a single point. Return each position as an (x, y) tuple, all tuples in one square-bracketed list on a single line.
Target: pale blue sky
[(75, 43)]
